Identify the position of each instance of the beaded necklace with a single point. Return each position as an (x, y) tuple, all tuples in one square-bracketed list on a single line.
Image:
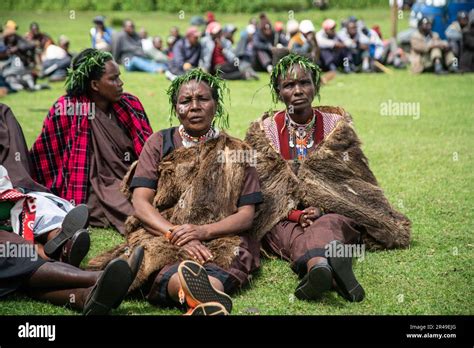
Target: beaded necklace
[(301, 136), (189, 140)]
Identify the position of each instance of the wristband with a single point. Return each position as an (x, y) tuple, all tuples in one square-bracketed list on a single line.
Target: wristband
[(168, 233), (295, 215)]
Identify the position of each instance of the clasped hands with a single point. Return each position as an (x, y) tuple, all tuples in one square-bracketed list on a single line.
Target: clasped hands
[(189, 238)]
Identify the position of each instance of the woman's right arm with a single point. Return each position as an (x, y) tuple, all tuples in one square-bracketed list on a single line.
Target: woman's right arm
[(151, 218), (156, 224)]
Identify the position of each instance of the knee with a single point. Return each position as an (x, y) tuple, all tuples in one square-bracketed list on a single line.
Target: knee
[(333, 221), (331, 217)]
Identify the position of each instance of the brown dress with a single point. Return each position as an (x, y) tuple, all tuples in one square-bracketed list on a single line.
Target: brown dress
[(112, 153), (14, 269), (296, 244), (248, 259), (14, 152)]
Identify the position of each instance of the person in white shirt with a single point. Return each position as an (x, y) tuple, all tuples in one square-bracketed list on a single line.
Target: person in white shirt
[(153, 48), (357, 44), (55, 61), (333, 52)]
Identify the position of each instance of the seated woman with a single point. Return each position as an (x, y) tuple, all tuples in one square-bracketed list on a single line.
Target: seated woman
[(29, 209), (89, 139), (194, 196), (320, 197), (93, 293)]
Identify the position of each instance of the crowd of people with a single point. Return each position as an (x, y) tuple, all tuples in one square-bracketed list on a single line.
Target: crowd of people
[(351, 47), (196, 206), (24, 59), (194, 218)]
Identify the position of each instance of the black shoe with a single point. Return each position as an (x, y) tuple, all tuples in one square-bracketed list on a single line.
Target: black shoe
[(76, 219), (348, 286), (315, 282), (197, 288), (76, 248), (110, 289), (134, 262), (209, 309)]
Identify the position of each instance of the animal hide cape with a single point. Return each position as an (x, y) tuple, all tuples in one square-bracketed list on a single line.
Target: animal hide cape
[(335, 176), (197, 185)]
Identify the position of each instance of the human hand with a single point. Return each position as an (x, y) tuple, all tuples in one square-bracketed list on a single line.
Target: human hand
[(198, 251), (309, 215), (182, 234)]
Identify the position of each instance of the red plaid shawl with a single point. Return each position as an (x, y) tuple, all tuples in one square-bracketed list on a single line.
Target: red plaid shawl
[(60, 154)]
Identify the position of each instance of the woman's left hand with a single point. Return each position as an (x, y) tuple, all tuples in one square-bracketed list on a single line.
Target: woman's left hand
[(184, 233), (310, 214)]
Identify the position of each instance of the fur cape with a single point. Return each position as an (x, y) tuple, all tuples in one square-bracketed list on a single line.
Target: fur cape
[(197, 185), (335, 177)]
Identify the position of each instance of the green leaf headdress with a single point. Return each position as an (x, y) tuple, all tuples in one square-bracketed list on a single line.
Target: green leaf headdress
[(284, 65), (219, 89), (88, 62)]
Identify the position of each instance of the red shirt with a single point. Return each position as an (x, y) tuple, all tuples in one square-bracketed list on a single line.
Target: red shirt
[(218, 57), (283, 134)]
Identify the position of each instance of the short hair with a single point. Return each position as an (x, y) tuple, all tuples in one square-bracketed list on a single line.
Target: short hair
[(216, 84), (424, 20), (284, 65), (88, 65)]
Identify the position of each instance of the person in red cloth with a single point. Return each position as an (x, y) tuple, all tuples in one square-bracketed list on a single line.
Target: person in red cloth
[(217, 55), (90, 138), (304, 235), (322, 204)]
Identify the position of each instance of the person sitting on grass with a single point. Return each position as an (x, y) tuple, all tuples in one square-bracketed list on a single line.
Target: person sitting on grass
[(194, 202), (55, 61), (89, 139), (101, 35), (333, 52), (186, 53), (93, 293), (357, 43), (153, 48), (320, 198), (265, 41), (127, 50), (217, 56), (429, 52), (58, 229), (454, 32)]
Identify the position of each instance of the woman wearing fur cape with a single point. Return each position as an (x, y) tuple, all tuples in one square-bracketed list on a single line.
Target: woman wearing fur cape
[(194, 199), (320, 197)]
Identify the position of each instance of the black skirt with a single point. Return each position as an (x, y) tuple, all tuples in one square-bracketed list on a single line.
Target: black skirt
[(18, 261)]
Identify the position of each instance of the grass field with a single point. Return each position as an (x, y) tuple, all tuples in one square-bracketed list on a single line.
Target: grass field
[(425, 165)]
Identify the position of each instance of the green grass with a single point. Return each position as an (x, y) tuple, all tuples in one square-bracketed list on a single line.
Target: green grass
[(424, 165)]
